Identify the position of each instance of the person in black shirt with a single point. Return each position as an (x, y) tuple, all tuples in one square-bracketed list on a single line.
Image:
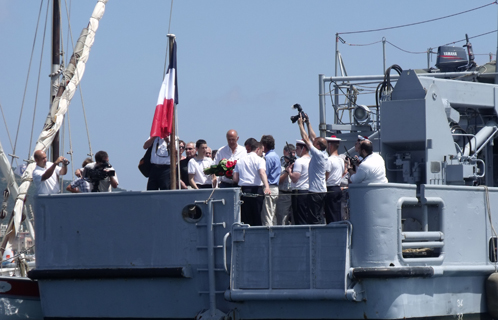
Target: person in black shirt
[(190, 153)]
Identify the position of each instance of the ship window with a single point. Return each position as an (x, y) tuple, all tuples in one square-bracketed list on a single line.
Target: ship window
[(192, 213), (493, 253)]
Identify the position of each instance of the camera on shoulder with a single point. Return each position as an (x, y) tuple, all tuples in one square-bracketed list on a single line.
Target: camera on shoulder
[(98, 173)]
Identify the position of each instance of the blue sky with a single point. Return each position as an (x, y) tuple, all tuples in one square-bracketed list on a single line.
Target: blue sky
[(241, 64)]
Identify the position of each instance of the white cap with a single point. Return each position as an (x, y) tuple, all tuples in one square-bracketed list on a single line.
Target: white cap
[(300, 142), (332, 138), (362, 138)]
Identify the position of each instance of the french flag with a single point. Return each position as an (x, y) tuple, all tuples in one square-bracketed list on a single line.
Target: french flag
[(168, 98)]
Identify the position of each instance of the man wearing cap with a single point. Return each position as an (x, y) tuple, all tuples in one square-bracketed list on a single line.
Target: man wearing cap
[(250, 174), (273, 170), (298, 173), (372, 168), (334, 175), (284, 202), (357, 146), (317, 169), (232, 151)]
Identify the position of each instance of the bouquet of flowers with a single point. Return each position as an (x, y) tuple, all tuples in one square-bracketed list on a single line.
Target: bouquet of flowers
[(224, 168)]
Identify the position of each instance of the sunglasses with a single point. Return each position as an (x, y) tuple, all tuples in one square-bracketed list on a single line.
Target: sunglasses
[(190, 149)]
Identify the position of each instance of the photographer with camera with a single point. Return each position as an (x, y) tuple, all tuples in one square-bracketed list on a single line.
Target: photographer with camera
[(46, 174), (101, 174), (284, 200), (372, 168), (316, 173)]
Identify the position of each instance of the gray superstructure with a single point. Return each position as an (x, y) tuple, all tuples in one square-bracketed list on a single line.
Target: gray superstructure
[(420, 246)]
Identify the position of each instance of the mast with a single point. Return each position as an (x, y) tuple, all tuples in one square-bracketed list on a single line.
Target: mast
[(54, 74), (72, 77), (172, 138)]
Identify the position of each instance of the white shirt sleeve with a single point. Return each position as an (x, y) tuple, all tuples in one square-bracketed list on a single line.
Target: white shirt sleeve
[(359, 176)]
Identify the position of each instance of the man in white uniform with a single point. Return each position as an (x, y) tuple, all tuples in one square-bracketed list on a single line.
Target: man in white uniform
[(298, 173), (250, 174), (232, 151), (334, 175), (46, 174), (372, 168)]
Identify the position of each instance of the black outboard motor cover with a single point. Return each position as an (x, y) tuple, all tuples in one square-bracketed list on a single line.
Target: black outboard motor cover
[(451, 59)]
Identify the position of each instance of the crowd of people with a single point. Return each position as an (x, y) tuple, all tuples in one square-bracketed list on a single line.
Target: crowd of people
[(307, 189)]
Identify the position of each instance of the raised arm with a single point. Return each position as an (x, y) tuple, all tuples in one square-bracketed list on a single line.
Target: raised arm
[(311, 132)]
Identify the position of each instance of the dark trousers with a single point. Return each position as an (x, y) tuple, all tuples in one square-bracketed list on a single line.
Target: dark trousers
[(315, 207), (333, 204), (159, 177), (252, 206), (204, 186), (300, 207), (227, 185)]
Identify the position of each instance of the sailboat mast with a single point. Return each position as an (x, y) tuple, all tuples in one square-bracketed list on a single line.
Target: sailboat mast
[(54, 74)]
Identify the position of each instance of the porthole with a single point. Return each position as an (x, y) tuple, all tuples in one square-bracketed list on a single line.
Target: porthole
[(192, 213)]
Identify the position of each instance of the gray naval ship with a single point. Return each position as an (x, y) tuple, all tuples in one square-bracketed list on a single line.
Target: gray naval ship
[(421, 246)]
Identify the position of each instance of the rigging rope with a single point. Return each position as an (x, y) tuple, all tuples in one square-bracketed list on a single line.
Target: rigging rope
[(479, 35), (27, 77), (37, 85), (420, 22), (70, 33), (6, 127)]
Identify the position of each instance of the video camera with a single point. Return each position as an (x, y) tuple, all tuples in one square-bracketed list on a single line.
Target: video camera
[(290, 158), (354, 161), (300, 113), (98, 173)]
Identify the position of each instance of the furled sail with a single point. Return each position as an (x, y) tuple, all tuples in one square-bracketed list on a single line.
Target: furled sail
[(72, 77)]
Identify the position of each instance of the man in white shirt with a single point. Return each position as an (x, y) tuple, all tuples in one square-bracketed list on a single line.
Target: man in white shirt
[(46, 174), (298, 173), (317, 168), (250, 174), (232, 151), (196, 166), (372, 168), (334, 175)]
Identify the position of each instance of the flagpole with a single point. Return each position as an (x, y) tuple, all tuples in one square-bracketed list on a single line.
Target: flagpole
[(172, 138)]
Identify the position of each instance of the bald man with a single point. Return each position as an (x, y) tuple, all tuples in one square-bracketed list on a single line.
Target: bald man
[(232, 151), (46, 174), (317, 147)]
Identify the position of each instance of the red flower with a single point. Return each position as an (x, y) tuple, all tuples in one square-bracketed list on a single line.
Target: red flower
[(230, 164), (229, 173)]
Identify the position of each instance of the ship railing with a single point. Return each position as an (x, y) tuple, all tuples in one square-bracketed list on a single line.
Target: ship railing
[(335, 92)]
